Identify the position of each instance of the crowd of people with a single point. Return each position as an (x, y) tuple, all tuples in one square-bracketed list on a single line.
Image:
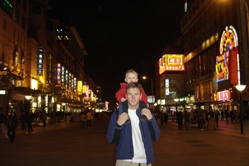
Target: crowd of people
[(86, 117), (200, 117), (11, 121)]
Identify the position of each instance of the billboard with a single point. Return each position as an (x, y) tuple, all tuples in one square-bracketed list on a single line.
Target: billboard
[(40, 61), (162, 67), (79, 88), (227, 66), (171, 62), (223, 95)]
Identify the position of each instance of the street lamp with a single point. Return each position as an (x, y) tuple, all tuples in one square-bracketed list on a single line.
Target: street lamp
[(27, 103), (151, 82), (176, 100), (28, 97), (240, 88)]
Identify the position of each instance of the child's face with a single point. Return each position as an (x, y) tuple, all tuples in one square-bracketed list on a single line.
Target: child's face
[(131, 77)]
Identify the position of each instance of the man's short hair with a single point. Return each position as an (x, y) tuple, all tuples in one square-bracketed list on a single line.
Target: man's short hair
[(134, 85)]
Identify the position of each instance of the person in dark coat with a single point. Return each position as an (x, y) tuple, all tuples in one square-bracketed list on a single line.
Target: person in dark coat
[(187, 119), (216, 118), (23, 119), (166, 116), (179, 120), (43, 118), (11, 125), (29, 122)]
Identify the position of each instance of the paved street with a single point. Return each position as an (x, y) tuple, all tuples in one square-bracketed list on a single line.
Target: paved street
[(67, 144)]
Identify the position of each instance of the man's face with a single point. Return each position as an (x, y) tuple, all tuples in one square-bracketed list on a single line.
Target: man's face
[(133, 96), (131, 77)]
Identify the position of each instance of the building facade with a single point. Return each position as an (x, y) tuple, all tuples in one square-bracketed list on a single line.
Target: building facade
[(214, 44), (42, 60)]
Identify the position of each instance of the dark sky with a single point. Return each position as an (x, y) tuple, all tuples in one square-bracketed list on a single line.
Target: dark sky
[(119, 35)]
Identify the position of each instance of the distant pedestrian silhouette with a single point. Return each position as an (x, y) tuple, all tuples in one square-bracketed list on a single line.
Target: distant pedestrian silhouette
[(29, 121), (89, 119), (82, 119), (11, 125), (179, 120)]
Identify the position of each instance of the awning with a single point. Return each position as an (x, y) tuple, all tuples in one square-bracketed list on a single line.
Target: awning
[(26, 91), (14, 76), (16, 96)]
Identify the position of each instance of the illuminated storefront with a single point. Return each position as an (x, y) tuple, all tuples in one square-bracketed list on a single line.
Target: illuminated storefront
[(171, 68)]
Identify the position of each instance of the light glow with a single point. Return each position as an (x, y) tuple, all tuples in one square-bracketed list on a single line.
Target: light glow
[(240, 87)]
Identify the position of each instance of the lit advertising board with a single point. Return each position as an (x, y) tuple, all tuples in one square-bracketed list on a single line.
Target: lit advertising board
[(167, 86), (162, 66), (74, 83), (222, 95), (40, 61), (174, 62), (2, 92), (221, 67), (79, 88), (58, 74), (226, 66), (86, 91), (171, 62)]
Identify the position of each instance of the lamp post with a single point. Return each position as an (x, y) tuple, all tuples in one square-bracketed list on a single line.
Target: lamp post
[(240, 88), (151, 82), (243, 53)]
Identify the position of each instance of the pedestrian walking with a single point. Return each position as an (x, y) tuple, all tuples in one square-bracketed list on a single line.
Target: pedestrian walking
[(226, 115), (187, 119), (133, 134), (232, 115), (11, 125), (43, 118), (89, 119), (179, 120), (216, 118), (29, 121), (23, 119), (235, 116), (161, 117), (82, 119), (166, 117)]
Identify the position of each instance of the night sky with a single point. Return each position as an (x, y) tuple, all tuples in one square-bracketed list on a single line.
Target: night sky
[(120, 35)]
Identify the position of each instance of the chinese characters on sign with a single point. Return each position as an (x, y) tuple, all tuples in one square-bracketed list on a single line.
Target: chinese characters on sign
[(171, 62)]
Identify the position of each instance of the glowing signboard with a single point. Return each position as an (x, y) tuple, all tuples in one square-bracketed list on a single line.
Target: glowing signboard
[(162, 67), (40, 61), (227, 62), (174, 62), (171, 62), (79, 87), (222, 95)]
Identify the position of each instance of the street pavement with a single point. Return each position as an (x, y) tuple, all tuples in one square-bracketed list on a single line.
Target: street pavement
[(65, 143)]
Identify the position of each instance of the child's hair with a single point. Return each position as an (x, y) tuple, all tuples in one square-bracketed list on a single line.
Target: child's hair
[(131, 71)]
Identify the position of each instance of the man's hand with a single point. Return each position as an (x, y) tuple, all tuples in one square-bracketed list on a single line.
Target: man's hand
[(147, 113), (122, 118)]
